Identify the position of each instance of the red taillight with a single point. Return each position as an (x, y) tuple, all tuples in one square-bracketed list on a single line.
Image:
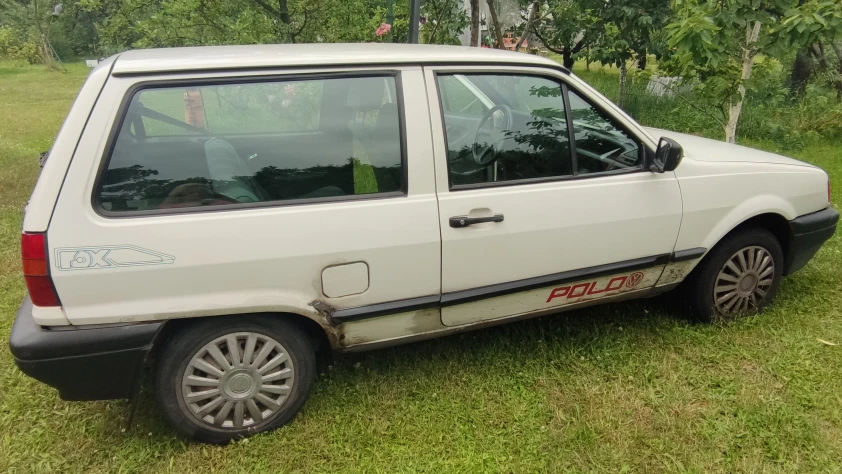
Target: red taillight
[(33, 250)]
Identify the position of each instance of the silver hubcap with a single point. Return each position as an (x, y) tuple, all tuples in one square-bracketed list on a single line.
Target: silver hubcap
[(238, 380), (744, 281)]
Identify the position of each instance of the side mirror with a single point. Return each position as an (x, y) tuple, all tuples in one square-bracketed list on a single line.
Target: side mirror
[(667, 156)]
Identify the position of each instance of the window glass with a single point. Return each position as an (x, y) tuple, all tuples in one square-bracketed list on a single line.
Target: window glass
[(215, 145), (458, 98), (600, 145), (519, 133)]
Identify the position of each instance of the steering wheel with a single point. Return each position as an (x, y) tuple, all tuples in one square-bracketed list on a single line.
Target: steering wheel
[(489, 137), (608, 158)]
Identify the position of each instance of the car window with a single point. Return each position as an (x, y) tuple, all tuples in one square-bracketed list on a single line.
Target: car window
[(600, 145), (521, 134), (458, 99), (216, 145)]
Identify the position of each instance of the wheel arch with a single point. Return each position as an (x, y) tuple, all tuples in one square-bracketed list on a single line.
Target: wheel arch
[(774, 222), (323, 335), (766, 211)]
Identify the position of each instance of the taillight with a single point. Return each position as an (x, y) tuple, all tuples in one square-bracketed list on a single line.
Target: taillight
[(33, 249)]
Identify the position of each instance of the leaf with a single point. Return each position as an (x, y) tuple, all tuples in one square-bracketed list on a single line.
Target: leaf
[(827, 343)]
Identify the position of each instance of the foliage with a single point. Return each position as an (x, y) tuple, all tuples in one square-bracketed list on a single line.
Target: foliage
[(16, 46), (566, 27), (446, 20), (629, 28), (716, 45), (813, 21)]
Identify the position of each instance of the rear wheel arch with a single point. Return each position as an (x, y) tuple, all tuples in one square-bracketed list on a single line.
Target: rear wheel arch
[(320, 336)]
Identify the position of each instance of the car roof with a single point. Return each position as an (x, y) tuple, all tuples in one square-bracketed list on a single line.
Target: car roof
[(215, 58)]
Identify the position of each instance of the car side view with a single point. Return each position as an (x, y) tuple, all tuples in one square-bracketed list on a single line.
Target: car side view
[(219, 214)]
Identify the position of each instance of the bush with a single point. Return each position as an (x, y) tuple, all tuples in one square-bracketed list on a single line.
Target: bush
[(16, 46), (768, 113)]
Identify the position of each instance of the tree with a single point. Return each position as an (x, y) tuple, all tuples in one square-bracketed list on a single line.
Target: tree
[(530, 20), (495, 23), (718, 41), (629, 30), (32, 19), (808, 28), (161, 23), (446, 20), (475, 31), (566, 27)]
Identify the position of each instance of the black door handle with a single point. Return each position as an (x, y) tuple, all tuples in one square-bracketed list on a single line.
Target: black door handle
[(465, 221)]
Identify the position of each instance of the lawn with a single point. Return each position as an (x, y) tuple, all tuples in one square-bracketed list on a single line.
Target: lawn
[(621, 387)]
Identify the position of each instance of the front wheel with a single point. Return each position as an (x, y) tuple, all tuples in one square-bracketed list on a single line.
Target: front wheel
[(230, 377), (740, 276)]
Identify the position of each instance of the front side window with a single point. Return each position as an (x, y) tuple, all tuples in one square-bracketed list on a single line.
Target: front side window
[(600, 145), (250, 142), (504, 128)]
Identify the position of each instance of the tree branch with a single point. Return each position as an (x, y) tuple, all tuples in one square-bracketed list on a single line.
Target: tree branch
[(529, 19), (546, 44), (267, 7), (497, 31)]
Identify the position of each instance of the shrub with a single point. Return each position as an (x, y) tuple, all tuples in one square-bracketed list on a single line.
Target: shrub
[(16, 46)]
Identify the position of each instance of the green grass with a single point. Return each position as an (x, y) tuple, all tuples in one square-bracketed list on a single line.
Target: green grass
[(623, 387)]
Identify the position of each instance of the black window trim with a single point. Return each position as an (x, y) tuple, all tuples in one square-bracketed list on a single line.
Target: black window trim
[(120, 118), (565, 88)]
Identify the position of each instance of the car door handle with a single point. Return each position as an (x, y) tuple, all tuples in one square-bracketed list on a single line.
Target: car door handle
[(465, 221)]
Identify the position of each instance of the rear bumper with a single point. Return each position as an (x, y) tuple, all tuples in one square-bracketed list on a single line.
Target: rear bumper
[(96, 363), (809, 232)]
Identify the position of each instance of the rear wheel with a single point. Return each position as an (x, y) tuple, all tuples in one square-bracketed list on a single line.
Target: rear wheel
[(740, 276), (230, 377)]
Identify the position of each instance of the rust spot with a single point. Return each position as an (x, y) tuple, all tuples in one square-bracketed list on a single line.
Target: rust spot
[(323, 308)]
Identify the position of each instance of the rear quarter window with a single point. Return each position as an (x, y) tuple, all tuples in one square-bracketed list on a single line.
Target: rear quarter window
[(194, 146)]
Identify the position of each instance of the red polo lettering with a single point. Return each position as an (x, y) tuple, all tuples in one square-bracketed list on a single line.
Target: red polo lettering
[(558, 293), (581, 286), (621, 280)]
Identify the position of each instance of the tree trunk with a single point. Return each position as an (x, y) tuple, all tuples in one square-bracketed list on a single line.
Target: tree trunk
[(801, 71), (641, 60), (736, 107), (624, 72), (567, 59), (588, 59), (475, 31), (498, 32), (533, 13), (837, 48)]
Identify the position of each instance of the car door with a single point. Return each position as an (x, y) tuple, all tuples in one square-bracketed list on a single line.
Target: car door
[(564, 212), (211, 197)]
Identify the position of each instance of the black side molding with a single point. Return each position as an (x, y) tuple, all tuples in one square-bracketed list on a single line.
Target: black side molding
[(689, 254), (474, 294), (809, 232), (383, 309)]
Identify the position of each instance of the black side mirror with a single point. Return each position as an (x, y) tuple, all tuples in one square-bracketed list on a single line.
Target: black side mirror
[(667, 156)]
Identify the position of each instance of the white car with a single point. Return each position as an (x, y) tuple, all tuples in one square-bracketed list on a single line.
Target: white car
[(219, 214)]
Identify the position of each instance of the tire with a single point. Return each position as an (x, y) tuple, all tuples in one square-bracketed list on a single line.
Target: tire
[(253, 405), (708, 288)]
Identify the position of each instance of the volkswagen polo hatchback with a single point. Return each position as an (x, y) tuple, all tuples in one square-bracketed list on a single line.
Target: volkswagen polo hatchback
[(218, 214)]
